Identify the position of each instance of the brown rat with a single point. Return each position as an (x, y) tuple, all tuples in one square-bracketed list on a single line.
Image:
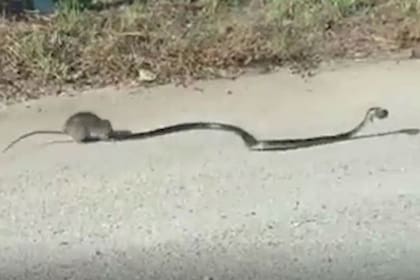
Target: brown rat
[(81, 127)]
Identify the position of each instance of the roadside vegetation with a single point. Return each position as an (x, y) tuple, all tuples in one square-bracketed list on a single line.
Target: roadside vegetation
[(86, 44)]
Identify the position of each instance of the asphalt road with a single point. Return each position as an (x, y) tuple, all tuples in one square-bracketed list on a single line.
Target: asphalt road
[(199, 204)]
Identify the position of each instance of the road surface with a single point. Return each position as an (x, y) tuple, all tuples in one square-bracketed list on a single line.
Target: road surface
[(199, 205)]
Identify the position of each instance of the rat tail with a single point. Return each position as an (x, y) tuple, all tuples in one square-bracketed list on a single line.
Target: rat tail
[(30, 134)]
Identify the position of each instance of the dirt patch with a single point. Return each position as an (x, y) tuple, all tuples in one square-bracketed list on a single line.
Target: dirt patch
[(179, 41)]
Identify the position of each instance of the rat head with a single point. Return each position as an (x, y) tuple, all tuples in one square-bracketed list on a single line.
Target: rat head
[(102, 130)]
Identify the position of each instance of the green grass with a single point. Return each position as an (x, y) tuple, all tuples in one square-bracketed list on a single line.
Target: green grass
[(81, 47)]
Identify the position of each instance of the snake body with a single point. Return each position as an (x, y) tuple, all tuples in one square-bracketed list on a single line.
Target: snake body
[(251, 142)]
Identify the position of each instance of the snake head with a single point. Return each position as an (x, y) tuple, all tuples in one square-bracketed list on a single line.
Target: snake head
[(378, 113)]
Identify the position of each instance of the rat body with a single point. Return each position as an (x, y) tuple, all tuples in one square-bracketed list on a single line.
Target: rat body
[(81, 127), (86, 126)]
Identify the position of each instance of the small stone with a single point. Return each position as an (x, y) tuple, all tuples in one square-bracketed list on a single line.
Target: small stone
[(146, 75)]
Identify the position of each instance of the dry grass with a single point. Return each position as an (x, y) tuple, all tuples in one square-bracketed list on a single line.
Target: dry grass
[(179, 40)]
